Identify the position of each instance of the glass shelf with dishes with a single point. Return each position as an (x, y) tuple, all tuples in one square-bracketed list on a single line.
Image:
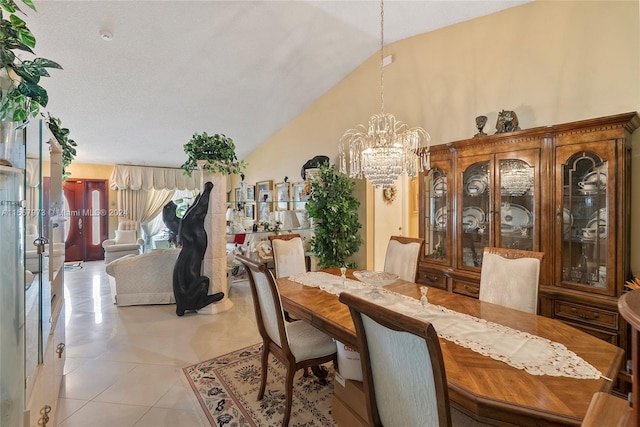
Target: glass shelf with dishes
[(476, 203), (517, 202), (266, 217), (436, 219), (585, 220)]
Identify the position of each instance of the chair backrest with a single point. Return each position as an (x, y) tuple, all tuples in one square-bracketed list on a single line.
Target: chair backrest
[(128, 232), (288, 254), (129, 224), (402, 368), (266, 302), (403, 254), (509, 277)]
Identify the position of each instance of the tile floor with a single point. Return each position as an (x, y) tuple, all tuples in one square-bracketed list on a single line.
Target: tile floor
[(124, 364)]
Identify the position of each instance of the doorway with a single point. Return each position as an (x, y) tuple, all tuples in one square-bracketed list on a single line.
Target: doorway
[(87, 221)]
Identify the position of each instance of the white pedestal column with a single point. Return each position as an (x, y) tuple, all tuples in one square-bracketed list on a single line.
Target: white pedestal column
[(214, 264)]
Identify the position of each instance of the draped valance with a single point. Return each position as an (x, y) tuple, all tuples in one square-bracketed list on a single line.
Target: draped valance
[(125, 177)]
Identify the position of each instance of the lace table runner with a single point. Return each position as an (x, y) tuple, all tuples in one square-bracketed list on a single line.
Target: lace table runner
[(535, 355)]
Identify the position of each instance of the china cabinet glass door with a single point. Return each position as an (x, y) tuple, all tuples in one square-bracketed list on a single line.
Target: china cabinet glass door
[(474, 221), (437, 224), (516, 226), (584, 219), (499, 205)]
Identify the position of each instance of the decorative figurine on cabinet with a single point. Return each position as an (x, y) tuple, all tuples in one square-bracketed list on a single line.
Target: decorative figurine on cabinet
[(481, 121), (507, 121)]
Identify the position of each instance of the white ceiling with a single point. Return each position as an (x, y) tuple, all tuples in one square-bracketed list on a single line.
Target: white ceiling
[(242, 68)]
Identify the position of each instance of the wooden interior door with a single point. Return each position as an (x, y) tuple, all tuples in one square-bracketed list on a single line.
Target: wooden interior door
[(87, 219)]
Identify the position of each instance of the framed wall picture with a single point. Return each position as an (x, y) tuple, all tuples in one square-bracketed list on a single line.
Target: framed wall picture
[(249, 211), (264, 201), (251, 193), (265, 188), (299, 196), (283, 196)]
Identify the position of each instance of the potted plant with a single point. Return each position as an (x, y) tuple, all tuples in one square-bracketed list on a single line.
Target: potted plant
[(218, 151), (335, 212), (21, 96)]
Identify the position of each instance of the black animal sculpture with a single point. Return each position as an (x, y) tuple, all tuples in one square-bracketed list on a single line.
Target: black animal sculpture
[(191, 290), (312, 164), (171, 221)]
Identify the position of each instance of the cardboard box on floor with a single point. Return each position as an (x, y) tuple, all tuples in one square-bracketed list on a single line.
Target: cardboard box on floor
[(348, 404)]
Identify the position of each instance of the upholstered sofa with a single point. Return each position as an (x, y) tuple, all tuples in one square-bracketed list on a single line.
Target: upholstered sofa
[(143, 279)]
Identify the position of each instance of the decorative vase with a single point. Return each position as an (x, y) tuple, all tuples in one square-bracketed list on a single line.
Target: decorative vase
[(9, 151)]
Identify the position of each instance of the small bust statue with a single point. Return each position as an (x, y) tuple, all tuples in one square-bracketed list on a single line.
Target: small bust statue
[(481, 121)]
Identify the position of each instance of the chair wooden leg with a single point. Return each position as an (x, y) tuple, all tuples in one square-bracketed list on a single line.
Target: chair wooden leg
[(265, 360), (288, 393)]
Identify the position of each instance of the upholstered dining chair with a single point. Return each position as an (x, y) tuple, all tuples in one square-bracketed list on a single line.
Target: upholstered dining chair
[(509, 277), (298, 345), (128, 240), (288, 254), (403, 254), (403, 372)]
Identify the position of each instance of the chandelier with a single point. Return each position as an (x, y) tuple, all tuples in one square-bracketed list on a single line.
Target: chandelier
[(386, 147)]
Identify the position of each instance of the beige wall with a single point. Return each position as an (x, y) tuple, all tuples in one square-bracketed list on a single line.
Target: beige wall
[(551, 62)]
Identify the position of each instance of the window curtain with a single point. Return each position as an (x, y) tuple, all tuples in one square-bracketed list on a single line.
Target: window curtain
[(143, 191), (143, 206), (125, 177)]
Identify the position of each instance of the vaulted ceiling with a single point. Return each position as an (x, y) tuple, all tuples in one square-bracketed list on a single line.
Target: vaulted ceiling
[(242, 68)]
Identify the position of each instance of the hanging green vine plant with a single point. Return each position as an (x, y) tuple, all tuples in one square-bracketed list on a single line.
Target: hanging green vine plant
[(21, 95), (68, 145)]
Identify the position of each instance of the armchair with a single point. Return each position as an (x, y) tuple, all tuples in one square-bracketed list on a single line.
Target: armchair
[(127, 241)]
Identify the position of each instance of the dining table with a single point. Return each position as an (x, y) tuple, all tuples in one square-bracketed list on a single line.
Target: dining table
[(486, 389)]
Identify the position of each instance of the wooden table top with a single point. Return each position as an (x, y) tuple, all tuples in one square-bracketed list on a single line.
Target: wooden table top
[(487, 389)]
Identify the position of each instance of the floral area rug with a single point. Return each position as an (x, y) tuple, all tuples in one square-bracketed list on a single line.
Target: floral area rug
[(227, 389)]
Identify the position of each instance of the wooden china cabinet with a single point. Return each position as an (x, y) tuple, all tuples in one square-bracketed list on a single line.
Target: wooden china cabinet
[(563, 190)]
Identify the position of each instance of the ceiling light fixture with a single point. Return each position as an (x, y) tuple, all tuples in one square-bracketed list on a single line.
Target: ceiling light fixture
[(106, 35), (386, 147)]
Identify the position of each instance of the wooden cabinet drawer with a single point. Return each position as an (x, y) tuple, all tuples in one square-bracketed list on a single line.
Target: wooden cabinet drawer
[(583, 313), (466, 288), (604, 335), (437, 280)]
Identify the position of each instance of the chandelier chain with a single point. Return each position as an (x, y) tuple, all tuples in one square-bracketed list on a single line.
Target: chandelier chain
[(385, 148), (382, 56)]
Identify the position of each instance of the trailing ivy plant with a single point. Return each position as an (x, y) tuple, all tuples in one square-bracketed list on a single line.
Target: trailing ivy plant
[(68, 145), (218, 150), (21, 96), (335, 211)]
